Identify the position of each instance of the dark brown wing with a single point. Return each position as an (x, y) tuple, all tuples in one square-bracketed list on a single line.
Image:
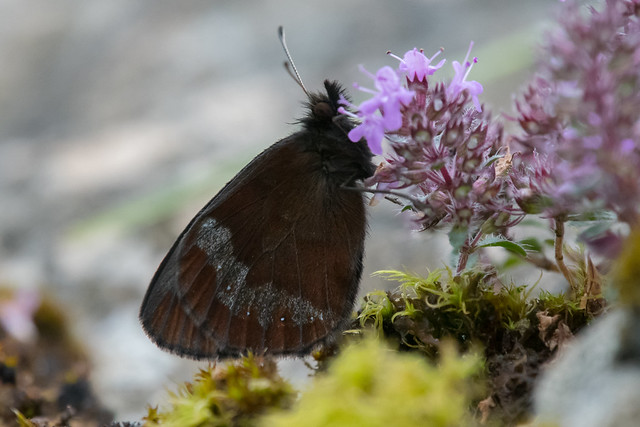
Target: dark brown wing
[(272, 263)]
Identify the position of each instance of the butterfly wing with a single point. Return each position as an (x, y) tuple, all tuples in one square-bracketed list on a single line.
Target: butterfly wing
[(271, 264)]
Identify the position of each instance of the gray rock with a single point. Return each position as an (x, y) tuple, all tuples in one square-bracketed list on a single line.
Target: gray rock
[(596, 382)]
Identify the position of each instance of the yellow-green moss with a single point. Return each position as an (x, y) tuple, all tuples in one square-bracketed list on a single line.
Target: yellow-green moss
[(369, 384), (375, 309), (231, 395)]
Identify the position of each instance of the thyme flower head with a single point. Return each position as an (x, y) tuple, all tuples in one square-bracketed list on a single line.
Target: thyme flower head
[(443, 146), (581, 113)]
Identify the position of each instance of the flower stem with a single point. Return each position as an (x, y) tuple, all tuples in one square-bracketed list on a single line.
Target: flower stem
[(467, 249), (542, 262), (559, 243)]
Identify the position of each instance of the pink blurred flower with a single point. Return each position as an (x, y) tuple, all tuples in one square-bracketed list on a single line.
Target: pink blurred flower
[(16, 314), (581, 112)]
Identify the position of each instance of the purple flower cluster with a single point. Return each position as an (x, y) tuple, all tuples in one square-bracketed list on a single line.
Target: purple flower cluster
[(580, 117), (577, 149), (444, 148), (388, 100)]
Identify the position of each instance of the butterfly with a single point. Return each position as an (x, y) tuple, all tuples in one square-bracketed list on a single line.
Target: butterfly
[(273, 262)]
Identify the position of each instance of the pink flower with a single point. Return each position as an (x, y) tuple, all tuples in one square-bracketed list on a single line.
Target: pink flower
[(417, 66), (381, 113), (372, 130), (16, 315), (459, 84)]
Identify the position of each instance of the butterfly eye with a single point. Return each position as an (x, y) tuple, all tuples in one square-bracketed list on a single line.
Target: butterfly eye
[(323, 110)]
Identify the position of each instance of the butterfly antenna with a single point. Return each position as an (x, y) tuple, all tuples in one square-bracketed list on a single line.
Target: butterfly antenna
[(290, 65)]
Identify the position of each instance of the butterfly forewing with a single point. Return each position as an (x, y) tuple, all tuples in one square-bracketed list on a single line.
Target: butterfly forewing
[(270, 264)]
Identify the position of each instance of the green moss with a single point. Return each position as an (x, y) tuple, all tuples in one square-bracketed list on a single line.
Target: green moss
[(559, 304), (517, 332), (375, 309), (468, 307), (234, 394), (368, 384)]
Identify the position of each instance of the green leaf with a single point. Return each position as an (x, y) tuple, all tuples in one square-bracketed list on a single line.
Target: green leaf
[(598, 229), (492, 160), (531, 244), (593, 216), (492, 241), (512, 261), (534, 222)]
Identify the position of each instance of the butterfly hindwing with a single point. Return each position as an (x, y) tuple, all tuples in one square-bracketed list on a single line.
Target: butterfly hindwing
[(272, 263)]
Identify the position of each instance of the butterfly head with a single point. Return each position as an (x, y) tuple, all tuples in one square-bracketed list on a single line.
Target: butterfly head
[(323, 109), (347, 161)]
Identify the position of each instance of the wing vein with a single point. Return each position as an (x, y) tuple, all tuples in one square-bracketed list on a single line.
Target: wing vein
[(295, 251)]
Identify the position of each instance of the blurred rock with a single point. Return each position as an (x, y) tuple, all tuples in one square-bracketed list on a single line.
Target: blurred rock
[(596, 382)]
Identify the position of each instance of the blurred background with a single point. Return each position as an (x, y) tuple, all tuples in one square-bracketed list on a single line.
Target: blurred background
[(119, 120)]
